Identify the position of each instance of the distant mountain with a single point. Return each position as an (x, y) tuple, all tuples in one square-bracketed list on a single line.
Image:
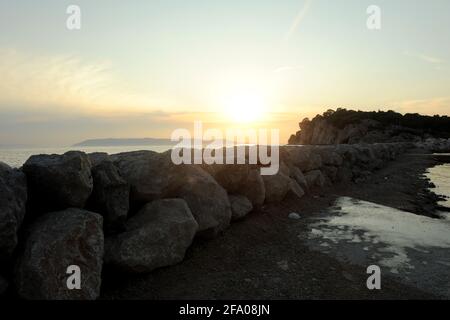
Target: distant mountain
[(124, 142)]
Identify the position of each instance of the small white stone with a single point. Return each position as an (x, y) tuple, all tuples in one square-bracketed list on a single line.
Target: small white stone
[(283, 265), (294, 216)]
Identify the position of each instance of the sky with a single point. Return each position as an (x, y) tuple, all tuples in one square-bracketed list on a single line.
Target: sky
[(142, 68)]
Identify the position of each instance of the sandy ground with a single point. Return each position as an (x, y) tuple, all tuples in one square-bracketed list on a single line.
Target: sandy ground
[(269, 256)]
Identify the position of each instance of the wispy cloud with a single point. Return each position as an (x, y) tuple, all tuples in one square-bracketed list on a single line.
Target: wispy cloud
[(42, 82), (45, 80), (425, 57), (298, 19)]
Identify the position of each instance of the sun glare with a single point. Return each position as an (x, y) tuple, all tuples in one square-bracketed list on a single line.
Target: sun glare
[(245, 107)]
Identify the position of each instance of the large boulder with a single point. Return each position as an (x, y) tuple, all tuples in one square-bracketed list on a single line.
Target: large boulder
[(59, 181), (296, 176), (348, 153), (110, 196), (315, 178), (303, 157), (146, 172), (245, 180), (344, 174), (295, 189), (331, 172), (329, 156), (253, 188), (13, 198), (55, 241), (277, 186), (299, 177), (156, 236), (97, 157), (365, 157), (207, 200), (240, 207)]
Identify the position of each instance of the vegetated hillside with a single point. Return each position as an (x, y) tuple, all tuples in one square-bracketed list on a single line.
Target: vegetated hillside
[(349, 126)]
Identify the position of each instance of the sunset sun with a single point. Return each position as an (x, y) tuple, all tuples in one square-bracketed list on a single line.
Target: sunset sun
[(245, 107)]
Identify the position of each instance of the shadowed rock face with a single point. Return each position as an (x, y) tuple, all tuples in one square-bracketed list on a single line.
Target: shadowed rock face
[(59, 181), (351, 127), (207, 200), (56, 241), (240, 207), (244, 180), (295, 189), (305, 158), (147, 173), (13, 197), (321, 132), (315, 178), (277, 186), (157, 236), (297, 175), (110, 196)]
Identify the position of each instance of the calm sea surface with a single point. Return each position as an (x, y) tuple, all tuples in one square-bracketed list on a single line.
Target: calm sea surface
[(440, 176), (17, 157)]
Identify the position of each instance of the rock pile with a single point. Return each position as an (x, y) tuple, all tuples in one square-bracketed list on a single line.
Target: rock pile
[(137, 211)]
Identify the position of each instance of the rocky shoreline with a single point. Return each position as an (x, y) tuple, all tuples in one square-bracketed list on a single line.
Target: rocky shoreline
[(266, 256), (137, 212)]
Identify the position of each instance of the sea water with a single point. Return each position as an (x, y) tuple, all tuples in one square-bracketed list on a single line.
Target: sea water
[(440, 176), (16, 157)]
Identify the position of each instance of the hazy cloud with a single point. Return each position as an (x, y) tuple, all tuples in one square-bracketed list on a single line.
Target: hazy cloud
[(424, 57), (43, 82)]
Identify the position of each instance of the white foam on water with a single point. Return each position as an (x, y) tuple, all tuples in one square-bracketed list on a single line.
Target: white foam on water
[(373, 223), (440, 176)]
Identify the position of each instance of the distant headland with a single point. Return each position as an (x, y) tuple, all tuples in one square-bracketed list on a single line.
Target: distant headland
[(124, 142)]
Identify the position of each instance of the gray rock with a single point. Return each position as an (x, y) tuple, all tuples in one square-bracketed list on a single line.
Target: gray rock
[(156, 236), (56, 241), (365, 157), (304, 157), (254, 189), (230, 177), (147, 173), (315, 178), (348, 153), (240, 206), (295, 189), (285, 169), (331, 172), (13, 198), (207, 200), (329, 156), (97, 157), (59, 181), (299, 177), (245, 180), (294, 216), (110, 196), (344, 174), (277, 186)]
